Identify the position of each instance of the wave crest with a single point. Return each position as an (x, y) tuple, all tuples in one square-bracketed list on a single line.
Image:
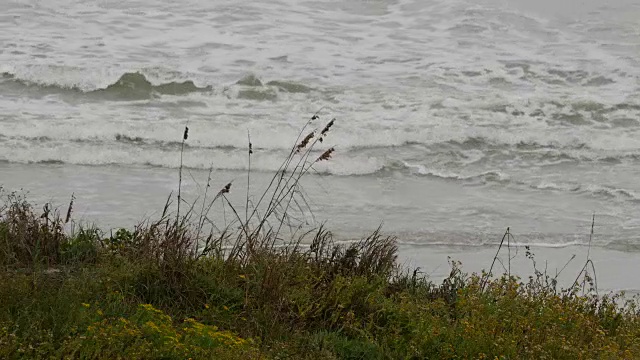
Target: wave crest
[(129, 86), (137, 86)]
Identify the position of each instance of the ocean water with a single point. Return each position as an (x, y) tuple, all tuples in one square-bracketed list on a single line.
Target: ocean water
[(454, 119)]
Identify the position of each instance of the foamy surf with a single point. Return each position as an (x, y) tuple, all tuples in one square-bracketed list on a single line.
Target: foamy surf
[(452, 121)]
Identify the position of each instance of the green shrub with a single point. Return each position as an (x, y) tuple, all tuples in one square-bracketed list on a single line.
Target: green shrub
[(81, 248), (343, 347), (151, 334)]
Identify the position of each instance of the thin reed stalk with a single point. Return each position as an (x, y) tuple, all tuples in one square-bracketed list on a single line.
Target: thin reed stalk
[(495, 258), (250, 152), (185, 135)]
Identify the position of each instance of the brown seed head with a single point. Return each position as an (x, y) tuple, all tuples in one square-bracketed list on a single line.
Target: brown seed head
[(226, 189), (326, 155), (70, 209), (326, 128), (305, 141), (186, 133)]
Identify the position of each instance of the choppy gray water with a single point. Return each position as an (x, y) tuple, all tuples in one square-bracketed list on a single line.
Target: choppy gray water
[(456, 118)]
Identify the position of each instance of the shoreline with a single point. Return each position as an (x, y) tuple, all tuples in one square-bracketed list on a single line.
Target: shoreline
[(108, 201), (615, 270)]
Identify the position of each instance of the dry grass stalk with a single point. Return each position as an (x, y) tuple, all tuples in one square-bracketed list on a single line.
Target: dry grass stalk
[(69, 209), (246, 208), (277, 207), (28, 238), (185, 136), (284, 187), (495, 258)]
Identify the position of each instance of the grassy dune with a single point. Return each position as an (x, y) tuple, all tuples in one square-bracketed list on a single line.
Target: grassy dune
[(179, 288)]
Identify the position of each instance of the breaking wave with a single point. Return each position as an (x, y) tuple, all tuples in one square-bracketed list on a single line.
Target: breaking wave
[(130, 86), (138, 86)]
